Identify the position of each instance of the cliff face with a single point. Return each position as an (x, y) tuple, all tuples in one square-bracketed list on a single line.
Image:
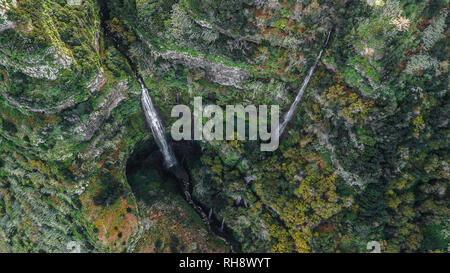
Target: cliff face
[(63, 119), (366, 156)]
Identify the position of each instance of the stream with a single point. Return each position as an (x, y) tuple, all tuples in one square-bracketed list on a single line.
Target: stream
[(292, 109)]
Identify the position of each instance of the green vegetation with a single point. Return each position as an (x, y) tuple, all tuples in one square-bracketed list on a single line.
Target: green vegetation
[(366, 157)]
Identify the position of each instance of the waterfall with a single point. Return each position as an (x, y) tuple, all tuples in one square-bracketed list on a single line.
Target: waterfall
[(290, 113), (222, 225), (170, 161), (155, 124)]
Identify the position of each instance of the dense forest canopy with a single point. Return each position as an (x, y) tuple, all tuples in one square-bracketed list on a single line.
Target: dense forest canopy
[(366, 157)]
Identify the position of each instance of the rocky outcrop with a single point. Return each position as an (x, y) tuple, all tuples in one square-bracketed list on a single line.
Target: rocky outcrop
[(94, 86), (97, 83), (4, 23), (69, 102), (216, 72), (40, 66), (45, 66), (86, 131)]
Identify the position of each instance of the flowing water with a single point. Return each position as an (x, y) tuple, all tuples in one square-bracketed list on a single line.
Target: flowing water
[(155, 124), (169, 158), (291, 112)]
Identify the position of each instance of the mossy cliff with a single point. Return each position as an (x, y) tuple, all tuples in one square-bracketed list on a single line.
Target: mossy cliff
[(366, 157)]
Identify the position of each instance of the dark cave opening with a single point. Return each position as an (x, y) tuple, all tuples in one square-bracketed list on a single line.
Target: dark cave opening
[(145, 171)]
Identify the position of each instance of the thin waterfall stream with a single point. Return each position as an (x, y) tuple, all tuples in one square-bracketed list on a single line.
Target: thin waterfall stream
[(292, 109), (155, 124)]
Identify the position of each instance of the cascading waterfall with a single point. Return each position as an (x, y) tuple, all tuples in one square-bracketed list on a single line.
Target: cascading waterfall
[(154, 122), (290, 113), (170, 161)]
